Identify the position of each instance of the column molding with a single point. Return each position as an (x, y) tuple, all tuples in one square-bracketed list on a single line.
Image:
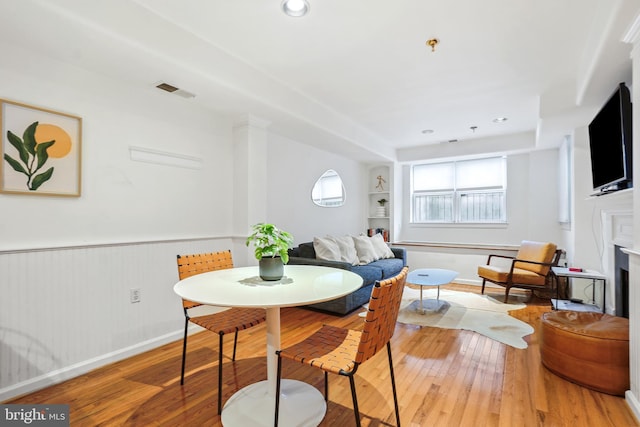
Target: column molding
[(632, 36), (250, 138)]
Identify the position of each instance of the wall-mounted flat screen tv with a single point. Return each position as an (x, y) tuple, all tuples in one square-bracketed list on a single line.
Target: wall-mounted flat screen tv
[(610, 144)]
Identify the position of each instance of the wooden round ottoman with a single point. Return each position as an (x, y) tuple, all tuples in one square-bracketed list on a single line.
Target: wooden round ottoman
[(589, 349)]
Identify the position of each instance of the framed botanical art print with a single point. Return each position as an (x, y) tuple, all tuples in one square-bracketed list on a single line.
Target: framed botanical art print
[(41, 151)]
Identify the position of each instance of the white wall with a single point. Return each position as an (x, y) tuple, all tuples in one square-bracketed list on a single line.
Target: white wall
[(292, 172), (587, 232), (532, 207), (67, 310), (121, 200), (464, 261), (591, 248), (67, 264)]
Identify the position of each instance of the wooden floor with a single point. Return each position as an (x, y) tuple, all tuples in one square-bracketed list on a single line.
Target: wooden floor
[(444, 378)]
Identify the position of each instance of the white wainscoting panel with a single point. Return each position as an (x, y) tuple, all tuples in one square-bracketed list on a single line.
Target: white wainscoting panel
[(65, 311)]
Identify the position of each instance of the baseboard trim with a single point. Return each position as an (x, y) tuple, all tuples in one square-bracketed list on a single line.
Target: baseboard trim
[(72, 371), (467, 282), (634, 403), (477, 283)]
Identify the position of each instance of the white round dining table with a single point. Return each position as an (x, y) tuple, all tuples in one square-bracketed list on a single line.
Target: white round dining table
[(300, 403)]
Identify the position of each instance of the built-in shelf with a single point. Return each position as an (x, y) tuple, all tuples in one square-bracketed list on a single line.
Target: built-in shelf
[(379, 175)]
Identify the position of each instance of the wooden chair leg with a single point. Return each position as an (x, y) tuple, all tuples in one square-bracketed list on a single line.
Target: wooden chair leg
[(184, 350), (235, 344), (356, 411), (278, 376), (393, 385), (506, 294), (220, 374)]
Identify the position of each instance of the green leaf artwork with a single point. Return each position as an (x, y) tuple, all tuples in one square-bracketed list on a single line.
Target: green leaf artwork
[(33, 157)]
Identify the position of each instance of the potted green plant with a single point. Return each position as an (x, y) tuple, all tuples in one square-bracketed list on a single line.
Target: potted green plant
[(271, 249)]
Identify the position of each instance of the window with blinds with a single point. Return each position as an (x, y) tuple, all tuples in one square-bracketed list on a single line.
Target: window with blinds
[(469, 191)]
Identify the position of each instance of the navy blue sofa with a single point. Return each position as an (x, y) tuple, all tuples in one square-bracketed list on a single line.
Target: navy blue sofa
[(381, 269)]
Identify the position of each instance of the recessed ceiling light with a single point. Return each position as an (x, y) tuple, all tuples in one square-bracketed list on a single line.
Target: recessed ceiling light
[(427, 131), (295, 8), (500, 120)]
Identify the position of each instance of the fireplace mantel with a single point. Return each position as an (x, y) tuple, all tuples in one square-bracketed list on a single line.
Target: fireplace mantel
[(617, 230), (631, 252)]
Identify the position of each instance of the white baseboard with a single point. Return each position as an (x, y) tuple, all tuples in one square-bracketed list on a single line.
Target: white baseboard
[(477, 283), (633, 403), (467, 282), (72, 371)]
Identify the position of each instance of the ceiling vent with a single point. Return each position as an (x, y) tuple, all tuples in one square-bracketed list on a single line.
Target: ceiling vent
[(174, 90)]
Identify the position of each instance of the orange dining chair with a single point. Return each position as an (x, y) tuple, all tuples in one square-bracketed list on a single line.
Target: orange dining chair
[(223, 322), (341, 351)]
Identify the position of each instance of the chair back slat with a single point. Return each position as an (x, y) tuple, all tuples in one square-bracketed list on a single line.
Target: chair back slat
[(190, 265), (382, 315)]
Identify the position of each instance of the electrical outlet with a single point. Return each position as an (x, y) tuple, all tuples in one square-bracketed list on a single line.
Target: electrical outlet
[(134, 295)]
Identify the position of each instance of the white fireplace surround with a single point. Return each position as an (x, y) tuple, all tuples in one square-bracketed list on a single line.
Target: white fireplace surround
[(617, 230)]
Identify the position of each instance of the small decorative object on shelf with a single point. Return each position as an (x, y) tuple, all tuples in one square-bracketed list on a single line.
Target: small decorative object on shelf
[(373, 231), (271, 249), (381, 211), (381, 182)]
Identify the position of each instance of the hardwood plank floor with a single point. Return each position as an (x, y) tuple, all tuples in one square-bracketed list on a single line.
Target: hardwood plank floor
[(444, 378)]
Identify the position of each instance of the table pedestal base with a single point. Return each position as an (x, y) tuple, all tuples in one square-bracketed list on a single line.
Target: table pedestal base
[(427, 305), (300, 405)]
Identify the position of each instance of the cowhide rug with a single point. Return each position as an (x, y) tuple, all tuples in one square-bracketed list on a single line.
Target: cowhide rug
[(464, 310)]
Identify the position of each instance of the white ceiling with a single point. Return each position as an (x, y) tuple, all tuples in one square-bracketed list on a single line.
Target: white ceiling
[(356, 76)]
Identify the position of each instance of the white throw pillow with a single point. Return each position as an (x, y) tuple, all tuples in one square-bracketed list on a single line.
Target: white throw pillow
[(326, 249), (381, 247), (364, 248), (347, 249)]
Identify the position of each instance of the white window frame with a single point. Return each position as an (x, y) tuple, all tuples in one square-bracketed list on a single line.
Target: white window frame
[(453, 214)]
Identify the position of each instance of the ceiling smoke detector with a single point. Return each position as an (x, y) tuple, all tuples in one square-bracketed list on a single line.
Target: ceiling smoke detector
[(176, 91)]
